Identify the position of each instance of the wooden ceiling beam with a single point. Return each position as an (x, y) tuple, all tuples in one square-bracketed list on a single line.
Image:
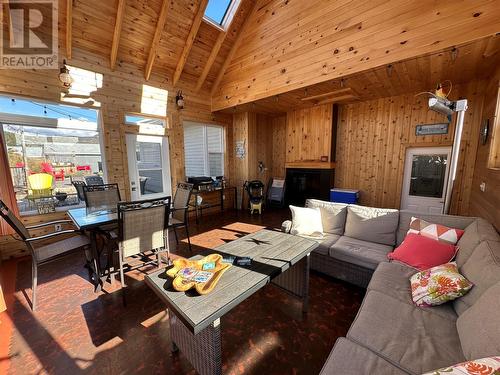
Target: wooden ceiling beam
[(215, 51), (233, 49), (190, 40), (211, 59), (69, 28), (116, 35), (328, 94), (160, 25)]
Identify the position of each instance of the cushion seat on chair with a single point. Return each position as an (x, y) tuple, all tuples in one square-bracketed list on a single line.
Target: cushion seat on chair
[(407, 336), (48, 251), (349, 358), (362, 253)]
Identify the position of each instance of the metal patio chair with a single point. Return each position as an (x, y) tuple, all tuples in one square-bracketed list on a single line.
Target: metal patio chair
[(94, 180), (142, 229), (78, 185), (43, 254), (180, 207), (101, 198)]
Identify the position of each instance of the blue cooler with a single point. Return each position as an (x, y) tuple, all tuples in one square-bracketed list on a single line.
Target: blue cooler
[(344, 195)]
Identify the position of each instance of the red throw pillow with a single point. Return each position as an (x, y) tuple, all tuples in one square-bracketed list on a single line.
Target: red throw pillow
[(422, 252)]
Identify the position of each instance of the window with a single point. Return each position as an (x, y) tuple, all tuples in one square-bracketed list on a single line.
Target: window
[(221, 12), (204, 150), (49, 146)]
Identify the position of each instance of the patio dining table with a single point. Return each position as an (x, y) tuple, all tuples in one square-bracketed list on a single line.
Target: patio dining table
[(89, 220)]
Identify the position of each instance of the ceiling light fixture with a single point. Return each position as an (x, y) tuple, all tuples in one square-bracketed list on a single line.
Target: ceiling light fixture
[(179, 100), (64, 76)]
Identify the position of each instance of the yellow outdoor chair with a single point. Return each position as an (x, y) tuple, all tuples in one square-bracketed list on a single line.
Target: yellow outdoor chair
[(40, 185)]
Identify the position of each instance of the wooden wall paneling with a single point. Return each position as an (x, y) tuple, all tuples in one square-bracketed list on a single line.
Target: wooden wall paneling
[(474, 92), (278, 146), (373, 137), (113, 93), (487, 204), (69, 28), (241, 165), (309, 133)]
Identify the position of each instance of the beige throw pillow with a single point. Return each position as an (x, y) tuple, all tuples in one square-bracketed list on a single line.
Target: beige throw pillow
[(306, 222)]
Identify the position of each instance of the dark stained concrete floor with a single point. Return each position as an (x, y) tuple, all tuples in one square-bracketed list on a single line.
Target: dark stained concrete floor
[(75, 330)]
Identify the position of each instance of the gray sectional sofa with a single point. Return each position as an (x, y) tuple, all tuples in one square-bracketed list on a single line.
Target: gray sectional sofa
[(391, 335)]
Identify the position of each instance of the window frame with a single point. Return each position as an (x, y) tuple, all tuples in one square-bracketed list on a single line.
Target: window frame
[(42, 122), (131, 127), (228, 16), (494, 151), (206, 159)]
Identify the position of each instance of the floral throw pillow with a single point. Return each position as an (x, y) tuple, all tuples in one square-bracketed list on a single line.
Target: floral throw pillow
[(438, 285), (437, 232), (483, 366)]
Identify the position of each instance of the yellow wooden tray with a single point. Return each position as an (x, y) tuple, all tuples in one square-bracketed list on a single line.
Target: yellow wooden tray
[(180, 284)]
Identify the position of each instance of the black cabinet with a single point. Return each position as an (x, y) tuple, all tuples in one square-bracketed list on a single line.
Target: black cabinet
[(308, 183)]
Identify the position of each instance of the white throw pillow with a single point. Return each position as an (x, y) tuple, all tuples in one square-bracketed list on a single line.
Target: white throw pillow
[(306, 222)]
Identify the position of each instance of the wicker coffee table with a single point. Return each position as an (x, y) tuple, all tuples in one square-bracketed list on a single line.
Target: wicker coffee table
[(195, 327)]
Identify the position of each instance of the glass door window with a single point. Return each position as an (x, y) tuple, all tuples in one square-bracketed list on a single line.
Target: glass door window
[(428, 174), (149, 166)]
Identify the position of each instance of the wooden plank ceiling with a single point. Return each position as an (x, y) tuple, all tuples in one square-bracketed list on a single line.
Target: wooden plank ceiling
[(166, 37), (460, 64), (292, 44), (124, 31)]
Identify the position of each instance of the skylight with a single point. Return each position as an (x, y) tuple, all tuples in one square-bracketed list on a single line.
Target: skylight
[(217, 11)]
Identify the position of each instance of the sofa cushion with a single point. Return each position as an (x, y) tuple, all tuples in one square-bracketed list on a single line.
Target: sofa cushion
[(438, 285), (479, 326), (332, 215), (481, 366), (372, 224), (363, 253), (460, 222), (392, 279), (483, 269), (405, 335), (349, 358), (435, 231), (325, 243), (306, 222), (423, 252), (478, 231)]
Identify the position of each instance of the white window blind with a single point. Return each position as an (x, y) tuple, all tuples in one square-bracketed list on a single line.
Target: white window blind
[(204, 150)]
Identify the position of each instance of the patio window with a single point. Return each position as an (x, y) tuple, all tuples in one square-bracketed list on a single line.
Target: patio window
[(48, 147), (204, 150)]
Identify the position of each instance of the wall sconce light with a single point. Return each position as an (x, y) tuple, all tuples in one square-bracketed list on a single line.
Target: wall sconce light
[(64, 76), (179, 100)]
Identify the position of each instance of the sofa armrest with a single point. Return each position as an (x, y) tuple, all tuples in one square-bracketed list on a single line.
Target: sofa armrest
[(286, 226)]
